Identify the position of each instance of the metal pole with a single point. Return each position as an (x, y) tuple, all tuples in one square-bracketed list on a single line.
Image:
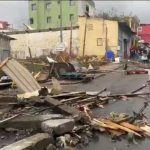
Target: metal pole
[(61, 34)]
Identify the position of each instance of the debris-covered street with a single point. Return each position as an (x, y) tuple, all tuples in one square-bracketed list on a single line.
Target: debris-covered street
[(74, 75), (111, 94)]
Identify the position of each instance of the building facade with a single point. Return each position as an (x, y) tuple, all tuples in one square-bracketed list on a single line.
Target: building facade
[(41, 42), (56, 13), (125, 39), (144, 33), (98, 36)]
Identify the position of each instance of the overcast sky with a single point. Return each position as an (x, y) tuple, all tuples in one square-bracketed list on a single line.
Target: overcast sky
[(16, 12)]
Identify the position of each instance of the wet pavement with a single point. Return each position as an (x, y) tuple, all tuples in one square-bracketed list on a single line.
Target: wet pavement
[(116, 83)]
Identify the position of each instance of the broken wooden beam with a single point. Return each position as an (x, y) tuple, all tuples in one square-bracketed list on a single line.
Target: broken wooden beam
[(108, 122), (86, 100), (140, 88), (131, 126), (127, 94), (73, 99), (69, 94), (63, 108)]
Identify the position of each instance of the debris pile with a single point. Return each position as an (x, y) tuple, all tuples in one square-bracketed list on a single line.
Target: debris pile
[(121, 124), (42, 118)]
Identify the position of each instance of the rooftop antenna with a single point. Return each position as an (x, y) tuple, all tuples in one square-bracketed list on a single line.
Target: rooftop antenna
[(28, 27)]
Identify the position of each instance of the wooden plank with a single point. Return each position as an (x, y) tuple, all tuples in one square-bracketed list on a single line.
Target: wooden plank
[(70, 100), (102, 124), (146, 130), (127, 94), (69, 94), (131, 126), (108, 122), (115, 132), (63, 108), (86, 100)]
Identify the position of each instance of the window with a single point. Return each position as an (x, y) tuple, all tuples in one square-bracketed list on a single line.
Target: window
[(71, 17), (59, 16), (48, 5), (90, 27), (99, 42), (71, 2), (31, 21), (87, 8), (33, 6), (49, 19)]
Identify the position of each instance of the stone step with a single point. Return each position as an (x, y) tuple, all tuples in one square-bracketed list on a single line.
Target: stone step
[(36, 142), (58, 126)]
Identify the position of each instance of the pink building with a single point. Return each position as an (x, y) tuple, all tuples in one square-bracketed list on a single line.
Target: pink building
[(4, 25), (144, 33)]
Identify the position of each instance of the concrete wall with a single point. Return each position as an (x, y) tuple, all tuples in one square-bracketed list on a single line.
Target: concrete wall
[(40, 43), (95, 43)]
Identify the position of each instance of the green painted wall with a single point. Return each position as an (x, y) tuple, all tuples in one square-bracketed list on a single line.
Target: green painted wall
[(41, 13)]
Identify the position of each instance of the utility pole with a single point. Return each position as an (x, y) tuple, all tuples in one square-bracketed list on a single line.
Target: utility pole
[(85, 31), (61, 34), (70, 38)]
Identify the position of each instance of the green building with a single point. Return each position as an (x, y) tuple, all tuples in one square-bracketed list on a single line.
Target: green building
[(48, 13)]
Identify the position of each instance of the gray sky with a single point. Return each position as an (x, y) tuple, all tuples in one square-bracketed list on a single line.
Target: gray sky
[(16, 12)]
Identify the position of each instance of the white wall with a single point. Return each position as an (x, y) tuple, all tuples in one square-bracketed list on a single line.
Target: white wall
[(41, 42)]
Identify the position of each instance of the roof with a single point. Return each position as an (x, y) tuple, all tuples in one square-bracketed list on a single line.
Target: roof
[(39, 30), (124, 26), (6, 36)]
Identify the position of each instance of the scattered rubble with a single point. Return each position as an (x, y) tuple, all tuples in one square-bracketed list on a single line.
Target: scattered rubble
[(62, 120)]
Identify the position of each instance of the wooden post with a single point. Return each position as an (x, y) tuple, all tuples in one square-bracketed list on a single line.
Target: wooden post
[(85, 30), (70, 38), (106, 46), (33, 68)]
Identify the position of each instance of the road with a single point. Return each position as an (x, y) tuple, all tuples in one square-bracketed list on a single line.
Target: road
[(116, 83)]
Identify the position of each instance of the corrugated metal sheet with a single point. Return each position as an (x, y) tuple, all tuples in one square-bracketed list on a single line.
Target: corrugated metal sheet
[(22, 77)]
